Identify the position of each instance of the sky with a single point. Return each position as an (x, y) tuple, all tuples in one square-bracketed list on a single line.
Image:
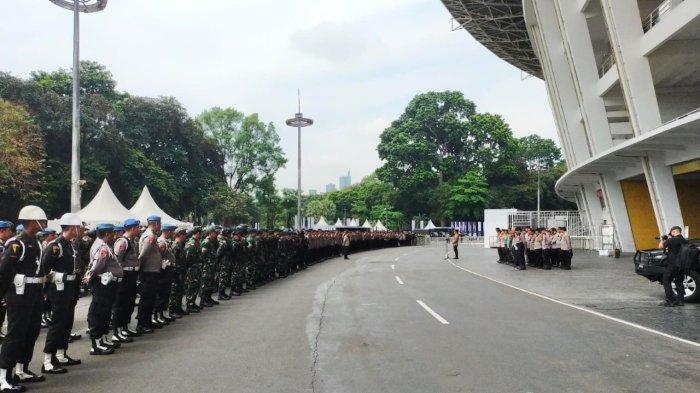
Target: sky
[(357, 62)]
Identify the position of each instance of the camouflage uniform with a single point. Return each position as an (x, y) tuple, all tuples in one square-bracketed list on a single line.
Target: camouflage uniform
[(209, 268), (193, 258), (224, 256)]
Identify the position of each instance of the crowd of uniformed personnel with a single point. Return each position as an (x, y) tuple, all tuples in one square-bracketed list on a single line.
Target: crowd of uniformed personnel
[(536, 247), (158, 270)]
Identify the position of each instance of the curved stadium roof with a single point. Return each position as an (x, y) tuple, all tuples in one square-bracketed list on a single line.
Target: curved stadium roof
[(500, 26)]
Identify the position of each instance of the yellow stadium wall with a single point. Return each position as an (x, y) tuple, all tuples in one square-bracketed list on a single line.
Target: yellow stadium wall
[(641, 213), (689, 198)]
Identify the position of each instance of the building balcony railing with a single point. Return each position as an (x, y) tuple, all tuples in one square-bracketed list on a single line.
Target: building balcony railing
[(606, 63), (656, 16)]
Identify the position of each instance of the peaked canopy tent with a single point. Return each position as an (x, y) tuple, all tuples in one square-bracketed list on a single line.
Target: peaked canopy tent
[(339, 223), (323, 225), (430, 225), (146, 206), (354, 223), (367, 224), (104, 208), (379, 226)]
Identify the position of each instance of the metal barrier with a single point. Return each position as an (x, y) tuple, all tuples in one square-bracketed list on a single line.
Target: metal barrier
[(655, 16)]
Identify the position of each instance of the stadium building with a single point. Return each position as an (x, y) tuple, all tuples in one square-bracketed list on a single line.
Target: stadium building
[(623, 79)]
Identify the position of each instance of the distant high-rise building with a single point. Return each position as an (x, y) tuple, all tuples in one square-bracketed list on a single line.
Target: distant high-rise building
[(344, 181), (312, 192), (330, 187)]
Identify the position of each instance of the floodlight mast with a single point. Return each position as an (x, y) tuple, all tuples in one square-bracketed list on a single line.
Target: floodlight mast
[(77, 6), (299, 121)]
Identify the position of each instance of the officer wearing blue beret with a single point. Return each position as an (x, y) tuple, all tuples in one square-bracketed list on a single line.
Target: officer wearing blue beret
[(151, 261), (126, 249)]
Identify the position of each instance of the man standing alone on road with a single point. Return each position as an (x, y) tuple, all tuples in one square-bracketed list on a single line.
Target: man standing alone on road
[(673, 273), (454, 239), (346, 245)]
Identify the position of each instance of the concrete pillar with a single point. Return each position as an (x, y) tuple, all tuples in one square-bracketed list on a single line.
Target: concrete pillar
[(579, 50), (662, 191), (547, 39), (595, 211), (615, 202), (625, 31)]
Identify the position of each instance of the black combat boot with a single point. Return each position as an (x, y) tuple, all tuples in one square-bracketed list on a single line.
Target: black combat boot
[(99, 349), (224, 296)]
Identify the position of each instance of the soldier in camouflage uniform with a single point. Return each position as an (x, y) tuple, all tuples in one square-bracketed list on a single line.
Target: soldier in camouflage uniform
[(210, 245), (224, 255), (180, 276), (193, 260), (237, 264), (251, 263)]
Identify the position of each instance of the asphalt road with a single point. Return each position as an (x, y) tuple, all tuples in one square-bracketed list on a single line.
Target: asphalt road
[(395, 320)]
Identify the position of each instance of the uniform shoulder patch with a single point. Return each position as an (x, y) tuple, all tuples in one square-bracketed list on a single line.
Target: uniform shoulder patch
[(56, 249), (104, 252)]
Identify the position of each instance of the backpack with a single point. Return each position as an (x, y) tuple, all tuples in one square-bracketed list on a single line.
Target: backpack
[(688, 255)]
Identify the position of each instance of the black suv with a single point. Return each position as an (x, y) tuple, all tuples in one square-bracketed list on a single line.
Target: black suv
[(652, 263)]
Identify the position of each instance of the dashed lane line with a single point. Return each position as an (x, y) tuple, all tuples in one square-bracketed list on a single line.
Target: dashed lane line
[(398, 280), (432, 312)]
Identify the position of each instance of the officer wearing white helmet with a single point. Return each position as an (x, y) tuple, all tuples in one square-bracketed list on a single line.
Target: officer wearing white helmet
[(5, 233), (60, 259), (21, 281)]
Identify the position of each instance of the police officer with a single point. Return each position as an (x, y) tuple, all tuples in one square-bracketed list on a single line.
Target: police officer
[(180, 274), (103, 277), (126, 249), (21, 281), (151, 261), (193, 258), (5, 233), (165, 278), (59, 262)]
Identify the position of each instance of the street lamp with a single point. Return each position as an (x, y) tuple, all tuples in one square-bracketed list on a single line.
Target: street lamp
[(77, 6), (299, 121)]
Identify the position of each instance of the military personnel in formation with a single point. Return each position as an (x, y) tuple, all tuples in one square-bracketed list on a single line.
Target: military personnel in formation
[(103, 277), (237, 264), (59, 260), (193, 259), (21, 281), (210, 246), (126, 249), (5, 233), (165, 279), (180, 274), (151, 264), (224, 255)]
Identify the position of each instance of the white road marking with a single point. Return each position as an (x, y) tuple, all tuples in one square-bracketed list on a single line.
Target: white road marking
[(398, 280), (433, 313), (600, 315), (396, 259), (392, 266)]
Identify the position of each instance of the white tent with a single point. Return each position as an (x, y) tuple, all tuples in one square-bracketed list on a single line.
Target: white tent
[(339, 223), (104, 208), (367, 224), (146, 206), (354, 223), (323, 225), (379, 226), (430, 225)]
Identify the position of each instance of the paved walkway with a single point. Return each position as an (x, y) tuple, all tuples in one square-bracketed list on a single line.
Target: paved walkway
[(604, 284)]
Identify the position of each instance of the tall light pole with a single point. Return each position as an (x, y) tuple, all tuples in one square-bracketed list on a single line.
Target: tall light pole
[(299, 121), (77, 6)]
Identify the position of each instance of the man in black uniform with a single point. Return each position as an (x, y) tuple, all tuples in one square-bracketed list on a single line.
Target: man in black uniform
[(5, 233), (59, 262), (673, 272), (21, 282)]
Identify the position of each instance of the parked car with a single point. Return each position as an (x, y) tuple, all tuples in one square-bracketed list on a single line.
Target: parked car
[(652, 263)]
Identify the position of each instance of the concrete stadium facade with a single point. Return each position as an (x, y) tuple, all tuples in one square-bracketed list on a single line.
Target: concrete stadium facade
[(623, 80)]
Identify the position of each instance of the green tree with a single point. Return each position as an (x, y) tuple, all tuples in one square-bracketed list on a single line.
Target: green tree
[(468, 196), (318, 208), (21, 159), (226, 206), (251, 147)]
